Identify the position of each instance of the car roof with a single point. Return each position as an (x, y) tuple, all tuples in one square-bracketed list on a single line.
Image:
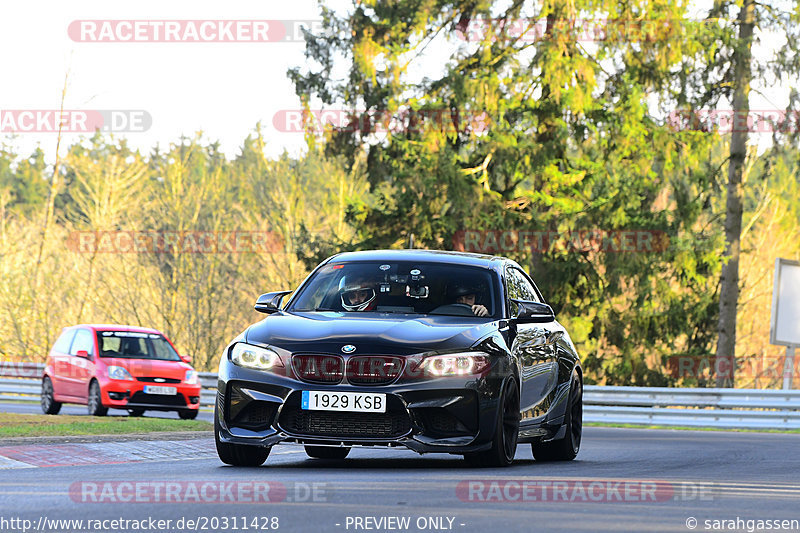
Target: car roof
[(429, 256), (116, 327)]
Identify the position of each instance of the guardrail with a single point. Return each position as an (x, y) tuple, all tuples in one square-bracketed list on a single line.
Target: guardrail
[(715, 408), (21, 382), (712, 408)]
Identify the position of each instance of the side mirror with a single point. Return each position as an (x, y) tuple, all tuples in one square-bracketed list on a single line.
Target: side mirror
[(82, 353), (533, 312), (270, 302), (186, 359)]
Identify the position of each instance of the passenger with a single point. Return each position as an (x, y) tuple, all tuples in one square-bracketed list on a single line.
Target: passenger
[(466, 295)]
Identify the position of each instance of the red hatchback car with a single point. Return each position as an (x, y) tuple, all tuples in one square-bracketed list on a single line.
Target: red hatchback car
[(120, 367)]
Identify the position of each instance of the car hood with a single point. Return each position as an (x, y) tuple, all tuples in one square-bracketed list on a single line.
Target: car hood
[(370, 332), (150, 367)]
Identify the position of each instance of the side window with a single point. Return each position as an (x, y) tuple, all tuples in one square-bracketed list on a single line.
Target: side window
[(527, 288), (63, 342), (83, 341), (519, 288)]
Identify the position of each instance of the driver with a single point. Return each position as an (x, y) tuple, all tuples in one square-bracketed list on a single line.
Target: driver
[(466, 295), (357, 295)]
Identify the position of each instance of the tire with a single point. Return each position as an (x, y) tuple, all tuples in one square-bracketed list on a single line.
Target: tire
[(135, 412), (327, 452), (188, 415), (567, 448), (95, 400), (504, 442), (49, 405), (238, 454)]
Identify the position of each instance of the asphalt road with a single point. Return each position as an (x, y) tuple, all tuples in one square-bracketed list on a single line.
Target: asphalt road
[(623, 480)]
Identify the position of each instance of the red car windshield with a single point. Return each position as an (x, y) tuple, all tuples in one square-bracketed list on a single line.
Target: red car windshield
[(135, 345)]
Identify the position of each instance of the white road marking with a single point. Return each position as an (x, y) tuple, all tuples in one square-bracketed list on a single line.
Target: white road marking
[(6, 463)]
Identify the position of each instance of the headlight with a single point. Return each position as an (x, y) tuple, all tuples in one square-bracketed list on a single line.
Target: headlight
[(118, 372), (250, 356), (457, 364), (191, 377)]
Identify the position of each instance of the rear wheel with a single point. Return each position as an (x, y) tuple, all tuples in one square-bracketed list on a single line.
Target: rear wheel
[(504, 444), (238, 454), (327, 452), (188, 415), (135, 412), (96, 407), (49, 405), (566, 449)]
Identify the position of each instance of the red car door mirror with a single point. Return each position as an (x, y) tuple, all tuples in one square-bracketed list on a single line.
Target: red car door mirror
[(82, 353)]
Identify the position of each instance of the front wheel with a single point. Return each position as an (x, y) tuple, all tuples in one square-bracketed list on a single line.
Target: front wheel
[(49, 405), (188, 415), (566, 448), (95, 403), (238, 454), (504, 443), (327, 452), (135, 412)]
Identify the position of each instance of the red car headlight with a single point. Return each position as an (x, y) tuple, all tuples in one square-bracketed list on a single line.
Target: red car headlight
[(120, 373)]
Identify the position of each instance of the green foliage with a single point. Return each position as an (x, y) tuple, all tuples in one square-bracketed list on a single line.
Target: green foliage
[(23, 180), (573, 143)]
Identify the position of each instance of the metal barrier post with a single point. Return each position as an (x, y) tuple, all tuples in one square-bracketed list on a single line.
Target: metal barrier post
[(788, 367)]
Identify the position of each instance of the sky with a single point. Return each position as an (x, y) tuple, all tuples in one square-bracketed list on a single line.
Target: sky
[(177, 88), (223, 89)]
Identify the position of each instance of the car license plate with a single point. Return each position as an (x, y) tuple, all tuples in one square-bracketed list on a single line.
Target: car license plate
[(155, 389), (359, 402)]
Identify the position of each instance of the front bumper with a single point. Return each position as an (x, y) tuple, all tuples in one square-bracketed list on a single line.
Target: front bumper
[(126, 394), (450, 415)]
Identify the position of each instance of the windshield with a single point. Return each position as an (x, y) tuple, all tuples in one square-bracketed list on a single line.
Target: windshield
[(135, 345), (400, 287)]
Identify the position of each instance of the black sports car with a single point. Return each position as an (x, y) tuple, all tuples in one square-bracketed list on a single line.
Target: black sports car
[(435, 351)]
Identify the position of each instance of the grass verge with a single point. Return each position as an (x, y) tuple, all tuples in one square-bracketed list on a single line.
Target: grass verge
[(687, 428), (32, 425)]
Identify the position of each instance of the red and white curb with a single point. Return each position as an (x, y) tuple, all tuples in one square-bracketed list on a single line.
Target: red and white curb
[(6, 463), (94, 453)]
